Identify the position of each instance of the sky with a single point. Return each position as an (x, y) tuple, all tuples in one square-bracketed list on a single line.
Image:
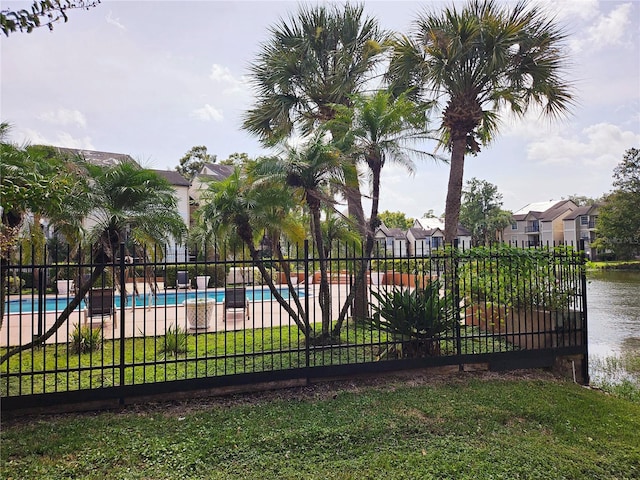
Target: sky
[(154, 78)]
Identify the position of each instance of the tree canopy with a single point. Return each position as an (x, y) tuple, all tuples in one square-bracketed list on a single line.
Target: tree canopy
[(618, 226), (193, 161), (396, 220), (481, 211), (41, 13), (479, 61)]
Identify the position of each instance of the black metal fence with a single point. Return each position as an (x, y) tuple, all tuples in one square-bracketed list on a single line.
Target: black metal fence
[(145, 327)]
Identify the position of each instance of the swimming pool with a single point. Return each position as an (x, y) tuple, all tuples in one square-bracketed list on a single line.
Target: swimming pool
[(58, 303)]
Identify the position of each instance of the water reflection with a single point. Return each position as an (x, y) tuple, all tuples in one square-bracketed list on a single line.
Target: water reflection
[(613, 300)]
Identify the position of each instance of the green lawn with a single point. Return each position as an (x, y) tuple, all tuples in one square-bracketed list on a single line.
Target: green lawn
[(475, 426), (204, 355), (615, 264)]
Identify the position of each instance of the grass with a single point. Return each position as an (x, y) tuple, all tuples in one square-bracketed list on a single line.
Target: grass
[(618, 374), (178, 355), (615, 264), (460, 427)]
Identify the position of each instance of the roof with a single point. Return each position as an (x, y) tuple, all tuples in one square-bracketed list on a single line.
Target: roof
[(545, 211), (418, 233), (173, 177), (463, 232), (578, 212), (535, 207), (216, 172), (431, 223), (396, 233), (558, 209), (391, 232), (103, 159)]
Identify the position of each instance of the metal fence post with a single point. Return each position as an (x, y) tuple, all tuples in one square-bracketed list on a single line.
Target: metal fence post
[(307, 345), (583, 278), (456, 298), (123, 303)]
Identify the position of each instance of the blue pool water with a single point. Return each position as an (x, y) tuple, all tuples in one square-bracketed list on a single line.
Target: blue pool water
[(52, 304)]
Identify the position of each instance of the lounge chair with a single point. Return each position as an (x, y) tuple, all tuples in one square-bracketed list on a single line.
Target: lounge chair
[(100, 303), (235, 299), (182, 279)]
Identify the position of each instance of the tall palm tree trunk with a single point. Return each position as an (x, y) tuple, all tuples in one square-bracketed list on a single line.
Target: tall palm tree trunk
[(358, 294), (356, 211), (324, 298), (246, 234), (452, 206), (454, 191)]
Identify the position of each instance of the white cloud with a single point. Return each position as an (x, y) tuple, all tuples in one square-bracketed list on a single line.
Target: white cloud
[(605, 30), (208, 113), (114, 21), (534, 124), (222, 74), (568, 10), (612, 29), (64, 116), (599, 146), (61, 139)]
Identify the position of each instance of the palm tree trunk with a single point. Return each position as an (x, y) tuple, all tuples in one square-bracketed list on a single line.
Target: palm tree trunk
[(246, 234), (358, 294), (64, 316), (356, 211), (324, 298), (454, 189)]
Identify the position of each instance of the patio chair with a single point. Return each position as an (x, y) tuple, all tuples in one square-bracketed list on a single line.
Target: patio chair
[(100, 303), (235, 299), (182, 279)]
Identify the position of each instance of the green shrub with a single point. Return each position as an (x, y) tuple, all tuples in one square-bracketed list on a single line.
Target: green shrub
[(216, 271), (85, 339), (520, 277), (15, 284), (416, 314), (174, 341), (416, 266)]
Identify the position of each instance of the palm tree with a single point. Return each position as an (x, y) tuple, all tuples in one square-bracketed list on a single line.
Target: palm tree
[(309, 170), (313, 62), (126, 202), (477, 61), (33, 182), (377, 129), (242, 207)]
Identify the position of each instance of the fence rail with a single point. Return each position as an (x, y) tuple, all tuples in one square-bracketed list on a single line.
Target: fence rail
[(148, 327)]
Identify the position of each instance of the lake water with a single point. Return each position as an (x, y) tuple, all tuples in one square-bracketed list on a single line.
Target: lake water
[(613, 302)]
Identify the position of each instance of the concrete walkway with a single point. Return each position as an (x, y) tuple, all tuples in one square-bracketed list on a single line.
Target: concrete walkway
[(18, 329)]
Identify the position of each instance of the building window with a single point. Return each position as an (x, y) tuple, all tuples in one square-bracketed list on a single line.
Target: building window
[(584, 220), (514, 225)]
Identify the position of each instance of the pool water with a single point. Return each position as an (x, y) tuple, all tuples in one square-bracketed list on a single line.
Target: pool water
[(58, 303)]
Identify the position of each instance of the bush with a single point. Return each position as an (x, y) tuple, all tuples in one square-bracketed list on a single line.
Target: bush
[(216, 271), (416, 266), (85, 339), (174, 341), (520, 277), (15, 284), (416, 314)]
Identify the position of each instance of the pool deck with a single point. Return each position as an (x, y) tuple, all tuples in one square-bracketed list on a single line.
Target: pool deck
[(19, 329)]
